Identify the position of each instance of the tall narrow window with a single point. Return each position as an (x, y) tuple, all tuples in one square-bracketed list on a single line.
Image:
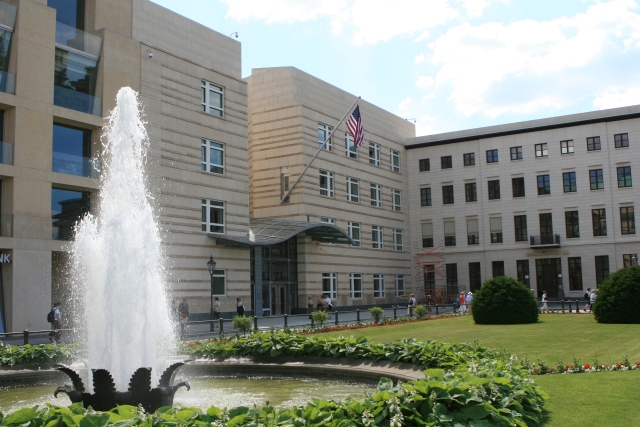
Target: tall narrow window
[(449, 233), (284, 184), (355, 285), (470, 192), (354, 232), (394, 159), (569, 180), (602, 268), (212, 216), (376, 237), (452, 278), (424, 165), (330, 285), (522, 267), (376, 195), (212, 99), (546, 228), (497, 268), (520, 224), (622, 140), (71, 150), (374, 154), (69, 12), (427, 235), (492, 156), (566, 147), (469, 159), (447, 194), (572, 222), (593, 143), (396, 200), (429, 277), (544, 185), (542, 150), (495, 225), (475, 276), (473, 234), (212, 155), (218, 279), (398, 243), (399, 279), (350, 146), (596, 179), (624, 176), (353, 190), (627, 220), (378, 285), (68, 207), (599, 217), (575, 273), (494, 189), (518, 187), (323, 133), (516, 153), (326, 183), (446, 162), (425, 197)]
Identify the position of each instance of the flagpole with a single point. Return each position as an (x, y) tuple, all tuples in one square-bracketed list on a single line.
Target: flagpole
[(320, 149)]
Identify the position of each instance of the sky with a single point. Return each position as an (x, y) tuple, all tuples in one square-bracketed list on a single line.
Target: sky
[(447, 64)]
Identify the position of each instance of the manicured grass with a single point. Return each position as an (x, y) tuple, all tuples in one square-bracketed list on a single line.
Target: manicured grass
[(592, 400), (556, 337)]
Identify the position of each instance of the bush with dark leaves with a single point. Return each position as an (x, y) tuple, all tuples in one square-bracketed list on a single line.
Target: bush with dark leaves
[(504, 301), (618, 297)]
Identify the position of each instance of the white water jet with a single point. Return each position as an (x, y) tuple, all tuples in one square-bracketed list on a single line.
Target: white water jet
[(118, 258)]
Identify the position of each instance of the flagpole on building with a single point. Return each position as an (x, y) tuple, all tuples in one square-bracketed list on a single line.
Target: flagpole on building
[(319, 150)]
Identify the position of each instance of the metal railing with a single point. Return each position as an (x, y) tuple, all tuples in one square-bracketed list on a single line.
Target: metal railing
[(73, 39), (27, 335), (74, 100), (545, 240), (75, 165)]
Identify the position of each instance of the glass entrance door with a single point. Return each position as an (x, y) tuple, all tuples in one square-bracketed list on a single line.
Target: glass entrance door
[(547, 271), (279, 303)]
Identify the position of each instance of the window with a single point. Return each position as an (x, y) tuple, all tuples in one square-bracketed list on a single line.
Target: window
[(69, 12), (544, 185), (394, 158), (71, 151), (602, 268), (376, 237), (212, 156), (326, 183), (475, 277), (516, 153), (569, 180), (328, 220), (518, 187), (397, 240), (378, 285), (355, 285), (427, 235), (522, 267), (622, 140), (218, 279), (452, 277), (497, 268), (212, 216), (573, 225), (429, 277), (74, 78), (376, 195), (424, 165), (520, 224), (624, 176), (399, 279), (469, 159), (627, 220), (596, 179), (546, 228), (541, 150), (566, 147), (354, 232), (575, 274), (212, 99), (495, 225), (470, 192), (324, 132), (492, 156), (446, 162), (447, 194), (353, 190), (473, 234), (627, 260), (67, 208), (330, 285), (284, 185), (374, 154), (593, 143), (599, 218), (449, 233), (494, 189), (425, 197), (350, 146), (396, 200)]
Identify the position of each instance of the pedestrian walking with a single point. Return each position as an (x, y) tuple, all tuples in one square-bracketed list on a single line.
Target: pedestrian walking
[(544, 308), (468, 300), (430, 302), (587, 296), (240, 308), (592, 299), (463, 303), (309, 305), (320, 304), (183, 317), (412, 304), (329, 304), (216, 311), (55, 318)]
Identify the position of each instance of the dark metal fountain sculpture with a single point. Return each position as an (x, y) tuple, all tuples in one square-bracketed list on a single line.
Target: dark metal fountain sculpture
[(105, 396)]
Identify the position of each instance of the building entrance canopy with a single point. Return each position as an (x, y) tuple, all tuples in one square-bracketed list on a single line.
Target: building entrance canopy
[(266, 232)]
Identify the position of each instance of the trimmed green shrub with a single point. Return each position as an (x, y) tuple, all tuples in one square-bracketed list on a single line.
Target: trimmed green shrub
[(421, 311), (376, 313), (504, 301), (618, 297), (320, 317), (242, 323)]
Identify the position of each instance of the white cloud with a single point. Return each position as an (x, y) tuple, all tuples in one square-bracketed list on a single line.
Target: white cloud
[(404, 106), (425, 130), (474, 7), (283, 10), (424, 82), (420, 58), (618, 97)]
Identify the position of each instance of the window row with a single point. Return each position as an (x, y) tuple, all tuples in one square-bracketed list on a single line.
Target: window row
[(377, 235), (327, 189), (330, 285)]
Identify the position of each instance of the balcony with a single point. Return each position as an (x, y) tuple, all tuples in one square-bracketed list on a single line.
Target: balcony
[(6, 225), (74, 100), (6, 153), (77, 41), (545, 241), (75, 165)]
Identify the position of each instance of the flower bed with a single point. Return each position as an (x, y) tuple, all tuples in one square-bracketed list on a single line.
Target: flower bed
[(386, 321)]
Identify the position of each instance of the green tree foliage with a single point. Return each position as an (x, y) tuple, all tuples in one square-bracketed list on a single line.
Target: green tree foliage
[(320, 317), (504, 301), (618, 298), (242, 323), (376, 312)]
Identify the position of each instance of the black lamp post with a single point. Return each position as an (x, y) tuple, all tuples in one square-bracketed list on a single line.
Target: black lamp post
[(211, 265)]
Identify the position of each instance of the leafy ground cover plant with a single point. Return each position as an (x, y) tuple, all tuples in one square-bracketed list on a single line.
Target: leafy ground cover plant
[(43, 353)]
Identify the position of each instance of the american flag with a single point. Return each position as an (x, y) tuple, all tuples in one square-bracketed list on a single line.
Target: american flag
[(354, 123)]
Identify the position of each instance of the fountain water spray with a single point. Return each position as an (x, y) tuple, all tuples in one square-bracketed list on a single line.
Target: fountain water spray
[(118, 259)]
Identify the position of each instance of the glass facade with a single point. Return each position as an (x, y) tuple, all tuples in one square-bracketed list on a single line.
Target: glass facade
[(74, 81), (72, 151), (67, 208), (69, 12)]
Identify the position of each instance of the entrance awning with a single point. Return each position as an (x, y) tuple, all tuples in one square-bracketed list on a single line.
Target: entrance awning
[(266, 231)]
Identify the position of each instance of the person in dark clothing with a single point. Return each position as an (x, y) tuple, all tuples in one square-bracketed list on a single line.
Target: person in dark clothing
[(240, 309)]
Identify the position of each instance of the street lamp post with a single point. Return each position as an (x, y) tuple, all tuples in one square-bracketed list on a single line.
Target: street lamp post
[(211, 266)]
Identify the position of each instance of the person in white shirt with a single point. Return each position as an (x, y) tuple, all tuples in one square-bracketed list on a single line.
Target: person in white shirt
[(592, 299), (468, 300), (327, 300), (544, 302), (587, 296)]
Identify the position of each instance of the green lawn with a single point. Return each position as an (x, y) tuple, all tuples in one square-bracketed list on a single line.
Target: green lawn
[(555, 337)]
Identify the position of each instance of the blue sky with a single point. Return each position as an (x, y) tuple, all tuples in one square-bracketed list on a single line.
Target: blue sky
[(450, 64)]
